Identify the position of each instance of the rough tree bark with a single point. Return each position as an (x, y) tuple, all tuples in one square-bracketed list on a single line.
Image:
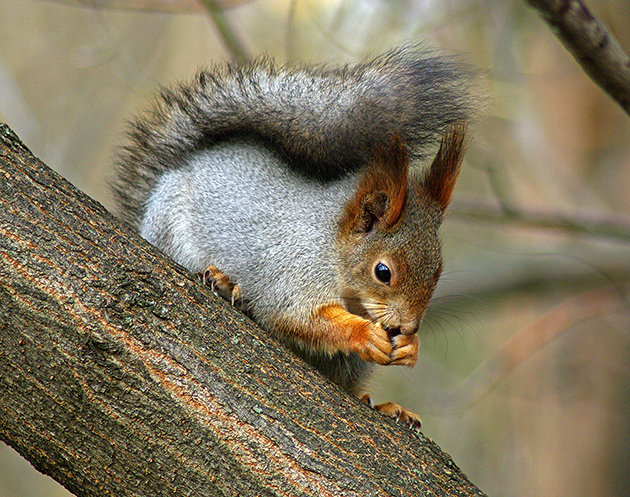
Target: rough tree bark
[(120, 374)]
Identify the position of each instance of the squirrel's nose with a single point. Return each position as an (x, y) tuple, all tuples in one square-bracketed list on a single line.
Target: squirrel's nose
[(411, 325)]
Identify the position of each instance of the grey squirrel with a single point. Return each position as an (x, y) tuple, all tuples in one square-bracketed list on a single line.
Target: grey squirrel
[(291, 190)]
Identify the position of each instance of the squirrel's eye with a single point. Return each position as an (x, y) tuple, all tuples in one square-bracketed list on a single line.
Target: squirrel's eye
[(383, 273)]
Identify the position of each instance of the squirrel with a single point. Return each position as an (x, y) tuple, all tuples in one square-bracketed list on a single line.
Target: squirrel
[(291, 190)]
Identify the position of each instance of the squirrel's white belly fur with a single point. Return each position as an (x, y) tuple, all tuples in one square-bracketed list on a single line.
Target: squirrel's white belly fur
[(233, 207)]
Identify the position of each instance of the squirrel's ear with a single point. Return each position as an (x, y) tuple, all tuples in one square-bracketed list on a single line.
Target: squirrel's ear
[(381, 191), (439, 181)]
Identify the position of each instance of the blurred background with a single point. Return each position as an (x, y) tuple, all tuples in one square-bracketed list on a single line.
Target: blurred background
[(524, 372)]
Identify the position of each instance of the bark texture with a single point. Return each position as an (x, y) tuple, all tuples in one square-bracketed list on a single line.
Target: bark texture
[(120, 374)]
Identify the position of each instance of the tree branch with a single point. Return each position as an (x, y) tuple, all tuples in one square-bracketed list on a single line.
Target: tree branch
[(227, 33), (596, 50), (120, 374), (599, 225), (173, 6)]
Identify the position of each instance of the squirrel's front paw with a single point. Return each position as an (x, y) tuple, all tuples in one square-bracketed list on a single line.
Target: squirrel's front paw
[(372, 343), (381, 347), (368, 339), (405, 350)]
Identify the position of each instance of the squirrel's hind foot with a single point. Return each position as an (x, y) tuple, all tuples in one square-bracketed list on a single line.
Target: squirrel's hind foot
[(396, 412), (221, 284)]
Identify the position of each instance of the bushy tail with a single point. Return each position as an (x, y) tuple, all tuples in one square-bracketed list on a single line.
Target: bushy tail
[(323, 121)]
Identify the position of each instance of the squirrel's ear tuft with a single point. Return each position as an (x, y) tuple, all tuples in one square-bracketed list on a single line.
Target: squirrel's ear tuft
[(439, 181), (381, 191)]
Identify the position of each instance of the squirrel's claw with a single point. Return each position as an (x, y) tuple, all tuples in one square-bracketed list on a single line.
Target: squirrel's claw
[(221, 284), (396, 412), (379, 347)]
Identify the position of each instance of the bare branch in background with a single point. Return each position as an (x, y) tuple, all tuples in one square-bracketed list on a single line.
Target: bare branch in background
[(230, 39), (610, 226), (215, 8), (173, 6), (598, 52)]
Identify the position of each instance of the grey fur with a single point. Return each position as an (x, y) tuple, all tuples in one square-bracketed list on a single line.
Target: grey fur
[(322, 121), (261, 241)]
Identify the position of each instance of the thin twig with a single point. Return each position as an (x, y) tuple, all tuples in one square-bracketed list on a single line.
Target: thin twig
[(598, 52), (173, 6), (598, 225), (234, 45)]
